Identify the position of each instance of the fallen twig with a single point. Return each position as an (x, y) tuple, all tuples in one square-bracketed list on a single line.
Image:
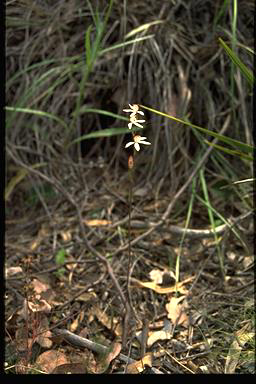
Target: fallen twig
[(95, 347)]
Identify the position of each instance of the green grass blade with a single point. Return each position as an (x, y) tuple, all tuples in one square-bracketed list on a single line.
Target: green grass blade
[(102, 133), (223, 220), (211, 218), (10, 81), (235, 59), (94, 52), (125, 43), (20, 175), (142, 28), (102, 112), (38, 113), (220, 13), (225, 139), (93, 14), (88, 46), (189, 214), (230, 151)]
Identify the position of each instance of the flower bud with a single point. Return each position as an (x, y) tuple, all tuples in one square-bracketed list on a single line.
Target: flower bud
[(130, 162)]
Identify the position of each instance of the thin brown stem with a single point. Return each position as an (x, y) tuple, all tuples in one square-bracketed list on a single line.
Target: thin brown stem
[(128, 312), (129, 227)]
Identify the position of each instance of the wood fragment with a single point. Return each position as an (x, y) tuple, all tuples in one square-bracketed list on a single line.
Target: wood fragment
[(95, 347)]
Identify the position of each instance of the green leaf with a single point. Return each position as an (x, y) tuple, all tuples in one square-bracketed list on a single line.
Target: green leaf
[(88, 46), (125, 43), (230, 151), (59, 273), (232, 228), (225, 139), (101, 112), (243, 68), (102, 133), (60, 258), (37, 112)]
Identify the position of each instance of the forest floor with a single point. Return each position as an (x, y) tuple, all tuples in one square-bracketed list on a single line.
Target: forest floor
[(202, 324)]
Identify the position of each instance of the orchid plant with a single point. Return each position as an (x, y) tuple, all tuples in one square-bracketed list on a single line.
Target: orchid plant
[(137, 139)]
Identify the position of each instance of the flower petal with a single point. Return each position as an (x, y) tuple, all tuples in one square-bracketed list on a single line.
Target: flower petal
[(137, 124), (144, 142), (140, 112), (130, 125), (129, 144), (127, 110), (137, 146)]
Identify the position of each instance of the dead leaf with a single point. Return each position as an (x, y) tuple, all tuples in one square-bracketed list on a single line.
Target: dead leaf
[(57, 339), (43, 232), (156, 275), (86, 296), (22, 367), (195, 368), (12, 271), (66, 236), (111, 354), (141, 192), (39, 305), (97, 223), (90, 362), (39, 286), (232, 256), (22, 341), (110, 323), (77, 321), (84, 332), (242, 337), (158, 335), (44, 334), (176, 311), (11, 322), (203, 369), (44, 341), (74, 324), (49, 360), (139, 366), (114, 352), (71, 368), (179, 287), (248, 261)]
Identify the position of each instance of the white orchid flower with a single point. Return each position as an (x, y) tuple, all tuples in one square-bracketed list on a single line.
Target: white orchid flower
[(134, 109), (135, 121), (137, 140)]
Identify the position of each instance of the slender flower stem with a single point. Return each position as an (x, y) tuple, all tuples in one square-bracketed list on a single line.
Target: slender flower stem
[(126, 323), (130, 172)]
